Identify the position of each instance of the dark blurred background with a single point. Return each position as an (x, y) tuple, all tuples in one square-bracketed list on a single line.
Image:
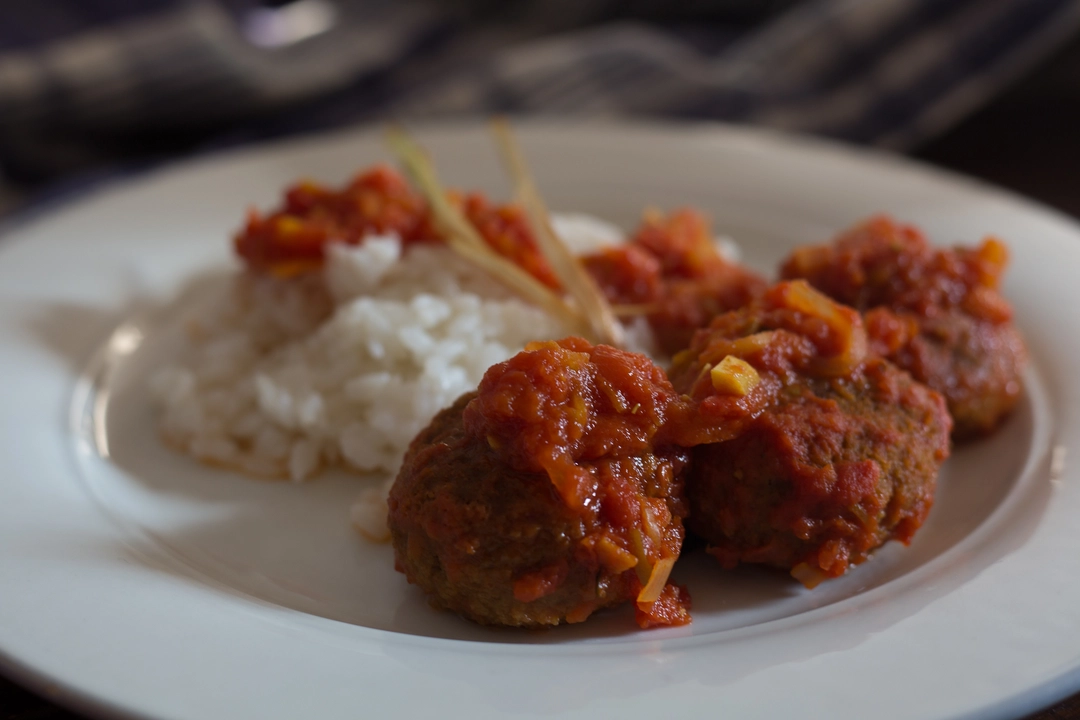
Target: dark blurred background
[(95, 89)]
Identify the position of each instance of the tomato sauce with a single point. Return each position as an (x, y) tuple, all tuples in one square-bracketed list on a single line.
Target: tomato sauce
[(293, 238), (672, 269), (885, 263)]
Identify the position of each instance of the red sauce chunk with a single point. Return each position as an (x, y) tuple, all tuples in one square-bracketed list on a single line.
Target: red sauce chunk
[(884, 263), (548, 494), (671, 265), (740, 365), (292, 239), (506, 229), (560, 402)]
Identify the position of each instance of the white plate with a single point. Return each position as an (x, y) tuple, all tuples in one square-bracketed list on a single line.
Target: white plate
[(138, 583)]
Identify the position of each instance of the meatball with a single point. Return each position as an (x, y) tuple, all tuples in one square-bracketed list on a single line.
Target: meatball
[(936, 313), (842, 456), (544, 495)]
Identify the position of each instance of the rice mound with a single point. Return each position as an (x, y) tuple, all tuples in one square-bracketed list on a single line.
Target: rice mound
[(344, 367)]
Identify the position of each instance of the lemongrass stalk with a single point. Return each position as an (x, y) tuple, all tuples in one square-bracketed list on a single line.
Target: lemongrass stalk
[(567, 266), (464, 239)]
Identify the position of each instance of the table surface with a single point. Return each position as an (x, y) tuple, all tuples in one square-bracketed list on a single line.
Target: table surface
[(1026, 140)]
